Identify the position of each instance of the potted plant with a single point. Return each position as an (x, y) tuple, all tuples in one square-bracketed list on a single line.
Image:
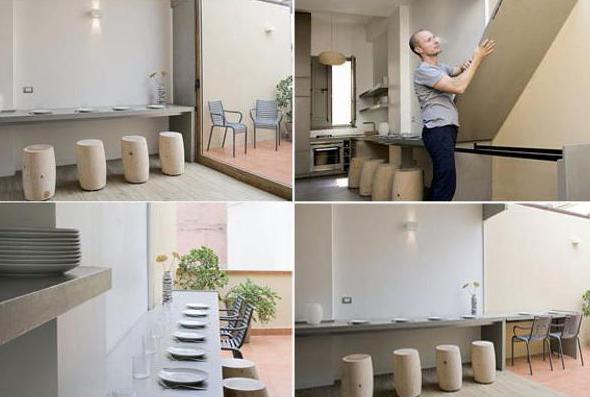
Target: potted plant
[(586, 304), (199, 270), (263, 298), (167, 276), (472, 287), (284, 97)]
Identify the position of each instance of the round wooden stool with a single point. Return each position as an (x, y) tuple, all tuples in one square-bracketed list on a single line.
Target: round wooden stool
[(483, 361), (408, 185), (448, 367), (244, 387), (92, 164), (357, 376), (407, 373), (238, 368), (383, 182), (171, 153), (39, 172), (367, 176), (354, 173), (136, 160)]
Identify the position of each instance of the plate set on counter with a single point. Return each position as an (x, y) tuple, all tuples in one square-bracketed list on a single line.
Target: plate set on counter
[(187, 378), (38, 251)]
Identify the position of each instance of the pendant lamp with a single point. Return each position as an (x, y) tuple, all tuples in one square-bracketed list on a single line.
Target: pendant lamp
[(332, 57)]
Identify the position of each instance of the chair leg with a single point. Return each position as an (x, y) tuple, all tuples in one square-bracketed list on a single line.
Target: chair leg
[(210, 135), (528, 356), (544, 351), (224, 136), (512, 354), (234, 148), (277, 139), (237, 354), (246, 141), (580, 348), (561, 353), (550, 354), (254, 136)]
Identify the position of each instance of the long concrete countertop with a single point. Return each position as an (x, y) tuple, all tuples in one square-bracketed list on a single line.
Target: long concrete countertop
[(390, 140), (71, 114), (28, 302), (342, 327)]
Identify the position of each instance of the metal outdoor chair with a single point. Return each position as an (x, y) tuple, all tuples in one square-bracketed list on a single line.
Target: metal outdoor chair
[(539, 331), (232, 338), (569, 329), (232, 315), (267, 116), (219, 120)]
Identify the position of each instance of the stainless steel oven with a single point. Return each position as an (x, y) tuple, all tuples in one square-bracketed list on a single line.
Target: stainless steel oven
[(327, 155)]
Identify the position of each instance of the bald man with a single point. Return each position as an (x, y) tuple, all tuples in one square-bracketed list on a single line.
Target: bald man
[(436, 85)]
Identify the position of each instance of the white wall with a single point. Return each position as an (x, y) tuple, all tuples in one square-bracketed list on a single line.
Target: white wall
[(260, 236), (241, 62), (162, 240), (409, 273), (350, 38), (114, 235), (70, 61), (460, 24), (6, 49), (313, 259)]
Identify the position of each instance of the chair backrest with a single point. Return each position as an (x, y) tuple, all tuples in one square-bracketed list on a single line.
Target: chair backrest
[(244, 321), (236, 307), (216, 112), (571, 326), (541, 327), (266, 110)]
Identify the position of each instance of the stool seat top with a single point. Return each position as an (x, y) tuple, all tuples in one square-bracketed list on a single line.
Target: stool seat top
[(38, 148), (170, 134), (89, 142), (237, 363), (133, 138), (447, 348), (353, 358), (375, 161), (482, 343), (405, 352), (410, 170), (243, 384)]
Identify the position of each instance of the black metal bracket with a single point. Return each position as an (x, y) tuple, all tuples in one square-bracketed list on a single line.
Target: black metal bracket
[(514, 152)]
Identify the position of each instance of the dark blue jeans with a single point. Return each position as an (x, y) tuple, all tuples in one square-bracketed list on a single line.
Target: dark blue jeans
[(440, 144)]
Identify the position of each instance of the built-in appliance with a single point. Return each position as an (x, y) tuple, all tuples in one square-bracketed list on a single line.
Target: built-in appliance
[(327, 155)]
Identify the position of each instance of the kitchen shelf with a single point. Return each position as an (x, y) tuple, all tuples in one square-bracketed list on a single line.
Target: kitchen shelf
[(375, 92), (374, 108), (29, 302)]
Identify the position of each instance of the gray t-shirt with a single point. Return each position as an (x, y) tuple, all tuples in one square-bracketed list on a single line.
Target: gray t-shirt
[(438, 108)]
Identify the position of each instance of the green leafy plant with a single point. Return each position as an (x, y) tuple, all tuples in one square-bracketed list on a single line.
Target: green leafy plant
[(586, 303), (199, 270), (284, 96), (471, 286), (263, 298)]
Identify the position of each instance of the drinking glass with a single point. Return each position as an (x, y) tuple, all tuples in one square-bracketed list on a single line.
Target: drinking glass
[(141, 366)]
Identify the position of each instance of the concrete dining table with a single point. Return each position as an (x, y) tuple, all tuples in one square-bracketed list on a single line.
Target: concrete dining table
[(162, 323)]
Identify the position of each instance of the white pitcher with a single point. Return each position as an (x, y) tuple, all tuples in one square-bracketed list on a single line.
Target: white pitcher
[(315, 313)]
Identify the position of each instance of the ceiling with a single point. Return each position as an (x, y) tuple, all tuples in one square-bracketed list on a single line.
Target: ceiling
[(376, 8)]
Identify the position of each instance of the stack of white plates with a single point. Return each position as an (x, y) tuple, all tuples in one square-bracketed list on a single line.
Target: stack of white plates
[(28, 251)]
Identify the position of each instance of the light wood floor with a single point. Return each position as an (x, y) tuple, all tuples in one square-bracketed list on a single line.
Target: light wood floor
[(506, 385), (198, 183)]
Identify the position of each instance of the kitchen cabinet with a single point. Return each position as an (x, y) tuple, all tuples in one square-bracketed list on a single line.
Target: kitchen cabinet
[(302, 93)]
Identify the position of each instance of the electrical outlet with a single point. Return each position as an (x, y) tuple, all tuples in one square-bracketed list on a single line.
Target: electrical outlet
[(28, 90), (346, 300)]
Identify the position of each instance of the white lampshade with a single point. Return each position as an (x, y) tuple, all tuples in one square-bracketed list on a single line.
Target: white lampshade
[(332, 58)]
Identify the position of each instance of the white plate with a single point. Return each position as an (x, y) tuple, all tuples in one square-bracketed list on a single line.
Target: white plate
[(189, 336), (20, 269), (34, 261), (23, 256), (84, 110), (71, 241), (156, 106), (183, 376), (37, 229), (359, 322), (120, 108), (41, 111), (195, 313), (62, 244), (524, 313), (434, 318), (400, 320), (197, 306), (186, 352), (468, 316), (39, 250), (192, 324)]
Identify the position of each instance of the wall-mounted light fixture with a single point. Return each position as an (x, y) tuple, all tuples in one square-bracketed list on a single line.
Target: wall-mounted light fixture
[(411, 226), (95, 13), (269, 29), (576, 241)]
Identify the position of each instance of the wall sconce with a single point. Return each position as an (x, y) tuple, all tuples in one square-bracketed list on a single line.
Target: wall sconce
[(411, 226), (576, 241), (268, 28), (95, 14)]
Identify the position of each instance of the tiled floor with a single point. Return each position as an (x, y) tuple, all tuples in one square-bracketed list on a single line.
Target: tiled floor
[(264, 161), (573, 382), (273, 355), (327, 188)]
